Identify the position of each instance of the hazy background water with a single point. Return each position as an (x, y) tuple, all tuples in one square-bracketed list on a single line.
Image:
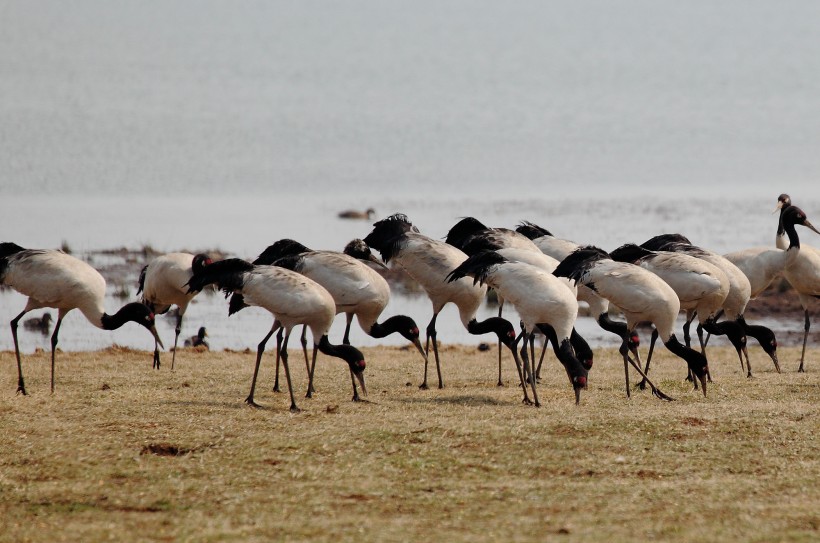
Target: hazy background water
[(201, 124)]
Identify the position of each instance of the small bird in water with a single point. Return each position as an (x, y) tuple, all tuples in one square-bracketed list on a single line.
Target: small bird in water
[(42, 324), (355, 214), (198, 339)]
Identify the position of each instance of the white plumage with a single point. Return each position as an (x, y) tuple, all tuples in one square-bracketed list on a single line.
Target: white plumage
[(55, 279), (163, 283), (542, 300), (642, 295), (429, 261), (293, 299)]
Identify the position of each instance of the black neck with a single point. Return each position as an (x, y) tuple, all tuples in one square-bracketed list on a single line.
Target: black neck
[(791, 232), (497, 325), (610, 325), (695, 360), (349, 354), (127, 313), (733, 331), (583, 352), (402, 324)]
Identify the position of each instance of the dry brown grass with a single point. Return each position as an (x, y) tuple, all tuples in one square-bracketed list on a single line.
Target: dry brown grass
[(121, 452)]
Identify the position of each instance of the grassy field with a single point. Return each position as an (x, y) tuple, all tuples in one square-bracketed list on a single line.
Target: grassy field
[(121, 452)]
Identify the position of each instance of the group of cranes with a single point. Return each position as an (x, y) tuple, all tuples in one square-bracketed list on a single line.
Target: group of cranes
[(542, 276)]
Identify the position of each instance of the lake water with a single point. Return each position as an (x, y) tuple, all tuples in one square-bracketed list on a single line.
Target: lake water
[(203, 124)]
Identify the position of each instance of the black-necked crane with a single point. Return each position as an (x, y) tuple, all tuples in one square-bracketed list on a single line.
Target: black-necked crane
[(799, 264), (357, 289), (559, 249), (734, 306), (428, 261), (542, 301), (528, 253), (472, 236), (701, 287), (292, 299), (58, 280), (641, 295), (762, 265), (803, 273), (781, 241), (163, 283)]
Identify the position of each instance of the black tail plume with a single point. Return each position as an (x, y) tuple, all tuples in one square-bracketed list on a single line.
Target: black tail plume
[(463, 230), (236, 303), (386, 236), (579, 261), (283, 247), (226, 274), (477, 266), (662, 241), (141, 280), (629, 252), (7, 249), (532, 230)]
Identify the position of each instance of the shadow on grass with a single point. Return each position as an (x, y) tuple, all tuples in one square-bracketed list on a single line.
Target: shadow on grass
[(469, 399)]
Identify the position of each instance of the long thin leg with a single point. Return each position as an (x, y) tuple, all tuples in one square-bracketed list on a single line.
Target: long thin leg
[(805, 337), (54, 346), (532, 370), (686, 337), (431, 334), (156, 355), (541, 359), (703, 350), (500, 383), (177, 330), (310, 389), (278, 357), (346, 338), (293, 408), (514, 349), (303, 340), (625, 353), (21, 387), (259, 350), (652, 341)]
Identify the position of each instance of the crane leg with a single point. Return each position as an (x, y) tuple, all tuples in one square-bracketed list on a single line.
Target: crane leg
[(500, 383), (21, 387), (346, 338), (293, 408), (541, 359), (278, 357), (259, 350), (310, 389), (54, 346), (308, 368), (806, 327), (653, 339), (177, 330), (431, 335), (699, 330)]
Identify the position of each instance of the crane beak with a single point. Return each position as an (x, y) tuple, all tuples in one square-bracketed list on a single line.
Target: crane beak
[(777, 208), (417, 343), (360, 377), (153, 330), (578, 395), (372, 258), (810, 226), (776, 362), (703, 382)]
